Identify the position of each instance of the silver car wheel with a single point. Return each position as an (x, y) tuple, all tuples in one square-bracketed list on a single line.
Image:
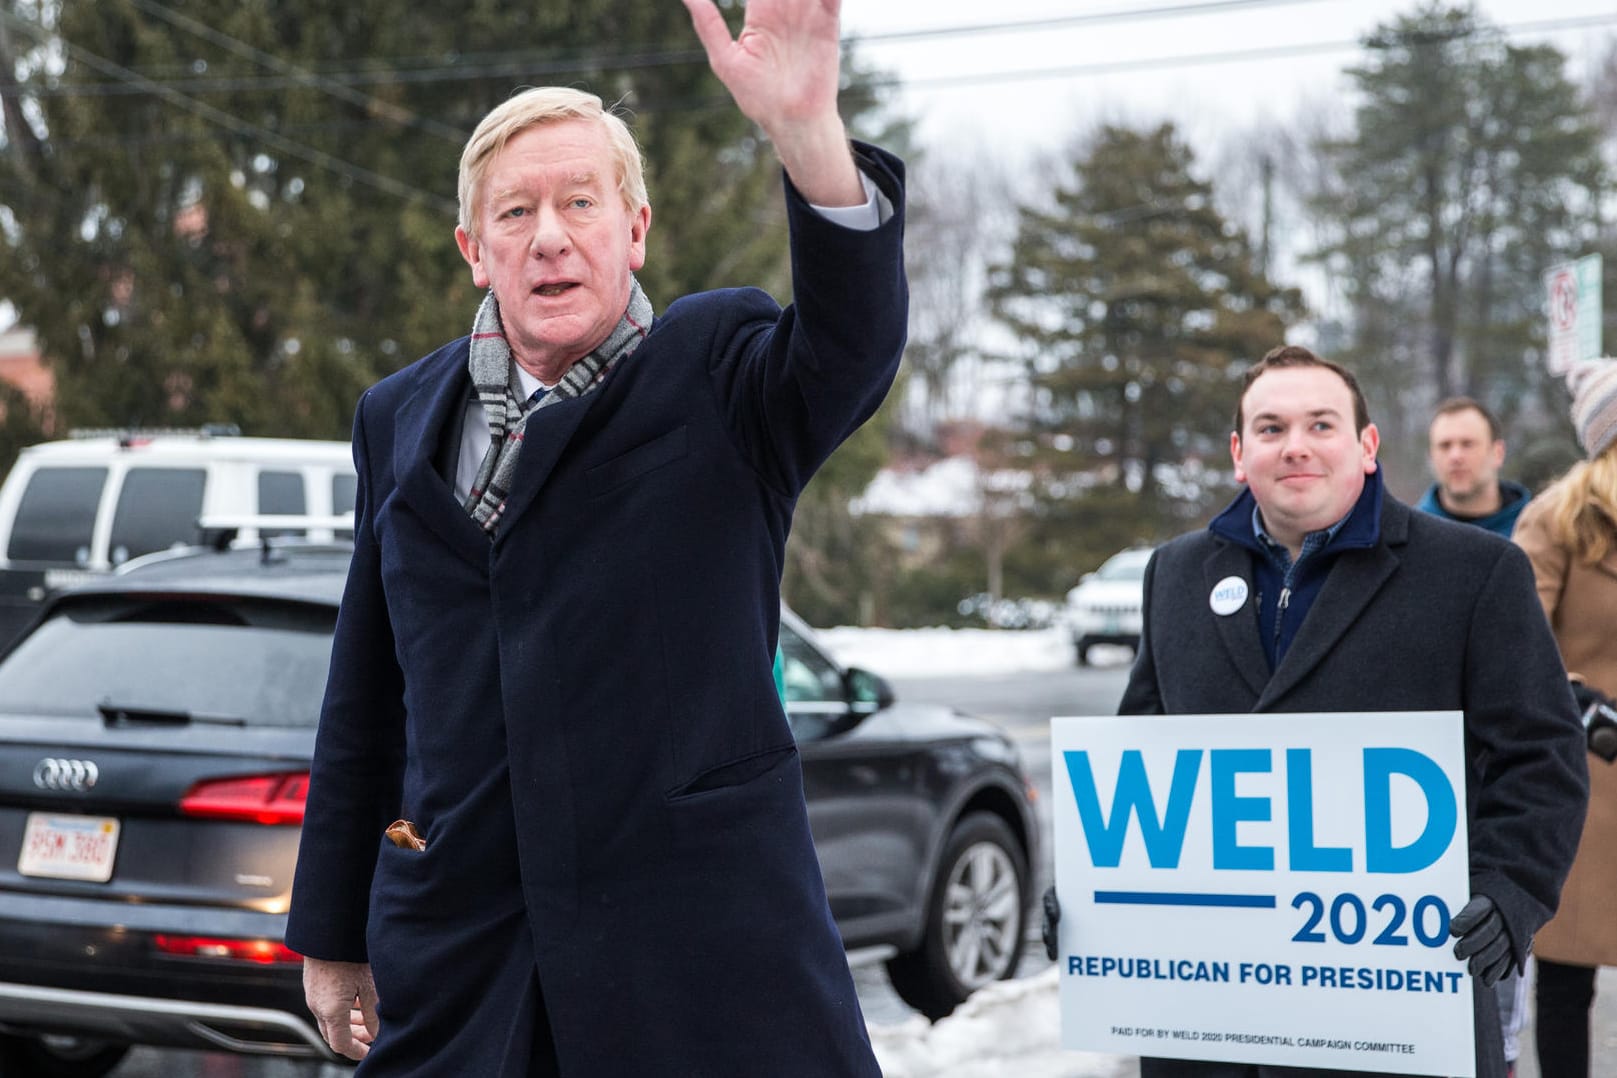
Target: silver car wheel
[(980, 915)]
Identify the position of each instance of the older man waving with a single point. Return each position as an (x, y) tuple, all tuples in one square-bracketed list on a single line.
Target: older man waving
[(555, 824)]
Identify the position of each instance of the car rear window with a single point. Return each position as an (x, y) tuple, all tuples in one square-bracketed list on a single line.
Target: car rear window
[(258, 662), (157, 508), (56, 516), (281, 494), (344, 491)]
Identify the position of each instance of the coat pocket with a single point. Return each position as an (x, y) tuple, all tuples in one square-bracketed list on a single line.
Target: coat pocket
[(732, 774), (403, 833), (643, 458)]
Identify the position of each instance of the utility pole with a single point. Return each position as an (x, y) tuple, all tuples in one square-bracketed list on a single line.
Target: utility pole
[(1268, 174)]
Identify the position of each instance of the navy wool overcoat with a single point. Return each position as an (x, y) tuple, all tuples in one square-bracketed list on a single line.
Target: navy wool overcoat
[(580, 716)]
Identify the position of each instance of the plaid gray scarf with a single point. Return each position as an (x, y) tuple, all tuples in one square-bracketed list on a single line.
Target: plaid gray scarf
[(494, 375)]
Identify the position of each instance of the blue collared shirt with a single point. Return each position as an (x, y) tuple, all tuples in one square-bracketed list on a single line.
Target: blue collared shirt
[(1286, 588), (1276, 552)]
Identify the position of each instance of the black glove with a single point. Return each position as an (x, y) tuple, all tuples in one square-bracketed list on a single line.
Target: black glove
[(1599, 720), (1483, 938), (1052, 918), (1588, 696)]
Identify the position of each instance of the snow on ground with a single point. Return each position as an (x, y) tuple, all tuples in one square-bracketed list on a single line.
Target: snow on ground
[(948, 652), (1007, 1030), (1010, 1029)]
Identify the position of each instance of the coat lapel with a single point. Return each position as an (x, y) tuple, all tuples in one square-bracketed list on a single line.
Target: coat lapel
[(1239, 630), (545, 437), (1352, 583), (418, 426)]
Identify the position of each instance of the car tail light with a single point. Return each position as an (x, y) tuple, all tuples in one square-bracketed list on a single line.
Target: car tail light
[(265, 952), (267, 799)]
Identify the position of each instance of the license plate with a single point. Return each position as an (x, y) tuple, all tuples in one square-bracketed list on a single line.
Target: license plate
[(69, 847)]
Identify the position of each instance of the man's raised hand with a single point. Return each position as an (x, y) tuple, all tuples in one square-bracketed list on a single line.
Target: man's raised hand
[(782, 70)]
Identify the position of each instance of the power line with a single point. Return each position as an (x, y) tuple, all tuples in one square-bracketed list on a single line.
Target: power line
[(239, 126), (550, 62), (524, 66), (396, 113), (1149, 63), (1138, 14), (521, 67), (133, 82), (1115, 67)]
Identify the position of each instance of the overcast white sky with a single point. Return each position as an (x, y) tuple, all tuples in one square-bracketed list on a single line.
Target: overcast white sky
[(981, 88)]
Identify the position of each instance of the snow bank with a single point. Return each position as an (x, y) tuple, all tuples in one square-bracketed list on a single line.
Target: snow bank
[(1009, 1028), (948, 652)]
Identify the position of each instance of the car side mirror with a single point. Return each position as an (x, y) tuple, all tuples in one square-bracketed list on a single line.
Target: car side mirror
[(865, 692)]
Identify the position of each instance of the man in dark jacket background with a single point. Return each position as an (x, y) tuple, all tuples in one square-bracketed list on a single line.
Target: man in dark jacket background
[(1466, 451), (551, 668), (1356, 603)]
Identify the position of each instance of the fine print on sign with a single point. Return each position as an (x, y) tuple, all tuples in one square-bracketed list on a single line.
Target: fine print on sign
[(1573, 293), (1270, 889)]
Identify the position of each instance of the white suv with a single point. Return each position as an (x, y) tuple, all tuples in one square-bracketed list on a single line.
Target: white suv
[(84, 506), (1105, 606)]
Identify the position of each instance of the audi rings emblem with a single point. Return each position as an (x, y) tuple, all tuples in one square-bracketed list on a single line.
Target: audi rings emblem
[(67, 776)]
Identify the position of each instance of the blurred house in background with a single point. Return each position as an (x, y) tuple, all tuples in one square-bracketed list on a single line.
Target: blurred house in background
[(21, 367)]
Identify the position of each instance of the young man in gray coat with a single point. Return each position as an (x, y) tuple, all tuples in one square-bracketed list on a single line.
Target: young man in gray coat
[(1359, 604)]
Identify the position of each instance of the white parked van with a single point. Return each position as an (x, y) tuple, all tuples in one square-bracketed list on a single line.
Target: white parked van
[(88, 504)]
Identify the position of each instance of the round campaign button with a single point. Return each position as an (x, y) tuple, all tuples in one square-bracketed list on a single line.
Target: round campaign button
[(1229, 595)]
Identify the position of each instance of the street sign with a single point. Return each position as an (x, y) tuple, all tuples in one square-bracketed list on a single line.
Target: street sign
[(1573, 289)]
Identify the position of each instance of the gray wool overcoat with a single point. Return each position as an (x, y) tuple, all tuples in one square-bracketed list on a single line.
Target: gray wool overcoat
[(1437, 616)]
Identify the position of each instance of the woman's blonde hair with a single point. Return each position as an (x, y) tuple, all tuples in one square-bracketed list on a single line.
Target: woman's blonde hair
[(1581, 507), (542, 105)]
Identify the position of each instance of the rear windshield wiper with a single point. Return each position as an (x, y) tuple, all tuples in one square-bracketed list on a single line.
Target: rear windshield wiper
[(123, 715)]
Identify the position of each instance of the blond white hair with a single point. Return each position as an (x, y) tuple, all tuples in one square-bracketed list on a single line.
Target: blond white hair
[(542, 105)]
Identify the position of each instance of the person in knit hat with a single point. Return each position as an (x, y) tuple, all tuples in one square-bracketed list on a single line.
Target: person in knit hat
[(1594, 404), (1570, 535)]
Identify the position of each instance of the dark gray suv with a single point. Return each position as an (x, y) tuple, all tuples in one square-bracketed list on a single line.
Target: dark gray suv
[(155, 734)]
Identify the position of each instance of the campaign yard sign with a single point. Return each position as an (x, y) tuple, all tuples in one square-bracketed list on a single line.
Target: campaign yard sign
[(1264, 888)]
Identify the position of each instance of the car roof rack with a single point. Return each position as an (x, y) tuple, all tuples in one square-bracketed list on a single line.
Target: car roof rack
[(127, 436), (275, 521), (222, 531)]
